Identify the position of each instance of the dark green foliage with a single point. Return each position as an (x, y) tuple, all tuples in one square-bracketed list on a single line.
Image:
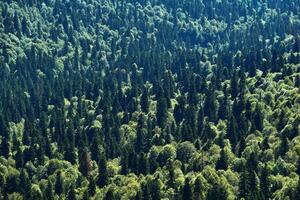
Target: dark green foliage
[(59, 184), (161, 113), (210, 105), (187, 192), (102, 177), (92, 187), (109, 195), (217, 192), (222, 162), (232, 130), (134, 99), (71, 193), (265, 183), (258, 118), (49, 194), (284, 145), (85, 163), (155, 189), (25, 183), (144, 101)]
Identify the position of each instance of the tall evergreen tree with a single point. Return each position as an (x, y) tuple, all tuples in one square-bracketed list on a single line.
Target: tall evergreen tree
[(85, 165), (265, 183), (161, 113), (48, 194), (102, 178), (58, 183), (187, 192), (232, 130), (222, 162)]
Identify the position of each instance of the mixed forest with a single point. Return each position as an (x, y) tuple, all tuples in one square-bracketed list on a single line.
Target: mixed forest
[(149, 99)]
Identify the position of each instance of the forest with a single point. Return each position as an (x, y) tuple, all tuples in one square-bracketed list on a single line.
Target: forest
[(149, 99)]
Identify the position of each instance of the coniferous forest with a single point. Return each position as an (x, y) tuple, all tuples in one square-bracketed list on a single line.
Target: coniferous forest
[(149, 99)]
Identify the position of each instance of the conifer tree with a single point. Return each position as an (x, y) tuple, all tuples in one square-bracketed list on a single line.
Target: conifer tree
[(232, 130), (265, 183), (198, 189), (222, 162), (71, 193), (58, 183), (85, 165), (187, 192), (161, 113), (25, 183), (102, 171), (144, 101), (92, 186), (49, 191)]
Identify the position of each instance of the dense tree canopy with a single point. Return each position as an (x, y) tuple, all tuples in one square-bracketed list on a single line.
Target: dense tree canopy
[(149, 99)]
